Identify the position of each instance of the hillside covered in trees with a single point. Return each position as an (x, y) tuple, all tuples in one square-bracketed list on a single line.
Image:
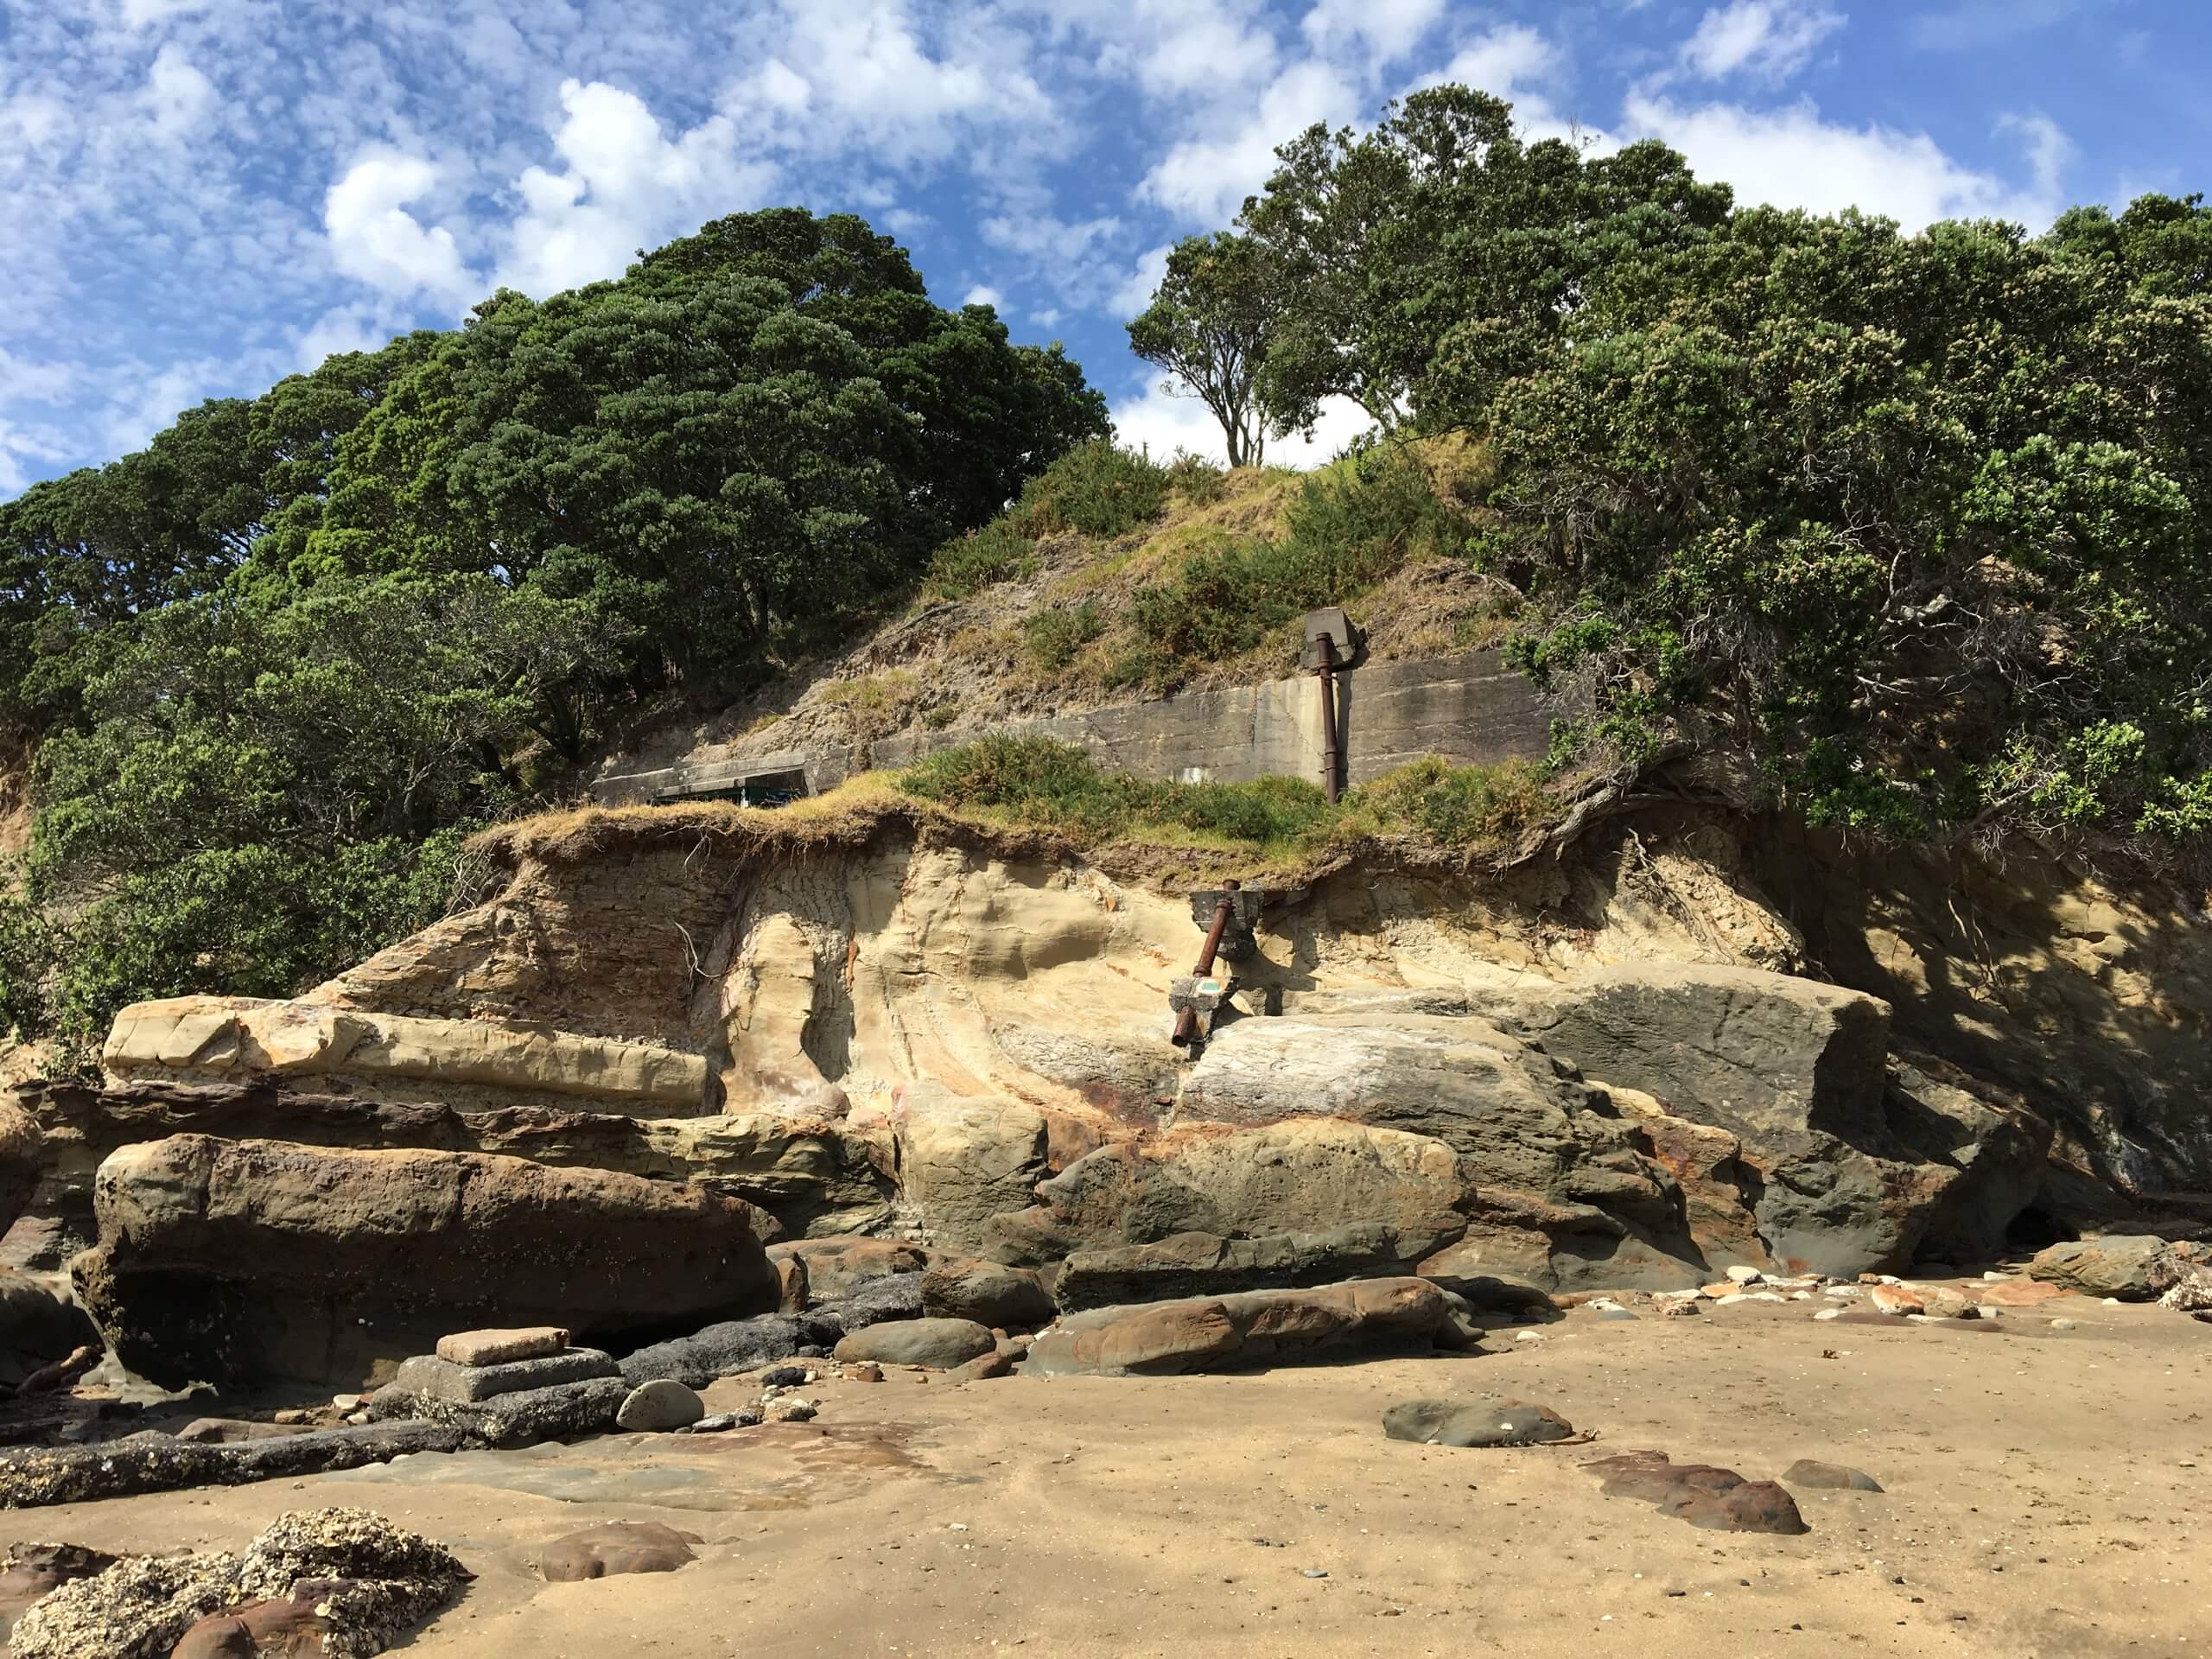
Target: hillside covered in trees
[(1909, 526)]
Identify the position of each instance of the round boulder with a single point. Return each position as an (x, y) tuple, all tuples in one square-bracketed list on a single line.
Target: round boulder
[(941, 1343), (656, 1408)]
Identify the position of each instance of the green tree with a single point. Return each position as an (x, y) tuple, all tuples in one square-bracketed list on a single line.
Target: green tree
[(1209, 326)]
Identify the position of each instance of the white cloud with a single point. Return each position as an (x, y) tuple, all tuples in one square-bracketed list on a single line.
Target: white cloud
[(625, 186), (980, 295), (374, 239), (1163, 420), (177, 94), (1205, 178), (1792, 158), (29, 452), (345, 328), (142, 14), (1135, 295), (1770, 40), (1518, 64), (1385, 29)]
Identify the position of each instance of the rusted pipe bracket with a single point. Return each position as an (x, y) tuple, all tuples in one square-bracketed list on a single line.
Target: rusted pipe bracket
[(1236, 940)]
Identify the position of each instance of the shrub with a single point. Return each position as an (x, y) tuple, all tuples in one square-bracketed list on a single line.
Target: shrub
[(1197, 479), (1053, 637), (1468, 809), (997, 552), (1095, 489)]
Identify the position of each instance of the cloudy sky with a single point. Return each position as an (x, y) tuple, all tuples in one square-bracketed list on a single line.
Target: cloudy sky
[(198, 197)]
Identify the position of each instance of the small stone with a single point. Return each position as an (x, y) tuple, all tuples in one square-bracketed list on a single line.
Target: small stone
[(720, 1422), (2061, 1324), (1615, 1314), (1714, 1292), (783, 1376), (869, 1372), (357, 1416), (291, 1417), (793, 1411), (1312, 1572), (346, 1401), (660, 1406), (1679, 1310), (1829, 1314), (1741, 1275), (1836, 1476), (1529, 1336), (1896, 1299), (496, 1347)]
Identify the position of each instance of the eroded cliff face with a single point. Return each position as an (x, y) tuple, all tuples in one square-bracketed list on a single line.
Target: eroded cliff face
[(1686, 1045)]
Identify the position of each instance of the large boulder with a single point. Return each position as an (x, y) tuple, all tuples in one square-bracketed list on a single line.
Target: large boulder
[(38, 1327), (237, 1262), (1257, 1327), (962, 1161), (941, 1343), (2128, 1266)]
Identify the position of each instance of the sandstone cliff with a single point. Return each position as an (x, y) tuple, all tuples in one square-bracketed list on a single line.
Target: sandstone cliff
[(1688, 1043)]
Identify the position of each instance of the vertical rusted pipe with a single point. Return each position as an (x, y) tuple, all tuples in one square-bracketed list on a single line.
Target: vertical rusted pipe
[(1330, 762), (1186, 1023)]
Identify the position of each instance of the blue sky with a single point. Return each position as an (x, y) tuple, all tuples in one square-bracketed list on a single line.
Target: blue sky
[(198, 197)]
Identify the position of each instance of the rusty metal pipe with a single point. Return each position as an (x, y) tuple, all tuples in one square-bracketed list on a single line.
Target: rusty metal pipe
[(1186, 1023), (1330, 760)]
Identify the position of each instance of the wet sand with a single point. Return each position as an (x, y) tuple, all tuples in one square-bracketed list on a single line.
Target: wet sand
[(2049, 1493)]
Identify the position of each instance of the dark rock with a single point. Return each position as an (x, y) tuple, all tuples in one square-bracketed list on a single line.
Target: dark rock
[(566, 1411), (1252, 1328), (469, 1384), (289, 1626), (234, 1431), (835, 1267), (1204, 1264), (722, 1421), (941, 1343), (783, 1376), (658, 1407), (1459, 1423), (31, 1476), (1702, 1494), (617, 1547), (1809, 1471), (233, 1262), (963, 1287), (875, 1301), (39, 1327), (733, 1346)]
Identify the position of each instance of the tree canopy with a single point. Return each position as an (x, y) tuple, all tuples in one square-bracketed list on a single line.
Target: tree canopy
[(283, 658)]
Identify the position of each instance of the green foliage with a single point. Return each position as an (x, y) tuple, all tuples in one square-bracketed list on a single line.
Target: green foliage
[(1095, 489), (1035, 780), (1218, 306), (1197, 479), (1053, 637), (1348, 528), (1919, 519)]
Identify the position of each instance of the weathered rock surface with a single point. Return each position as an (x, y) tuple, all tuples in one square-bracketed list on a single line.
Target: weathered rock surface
[(1254, 1328), (38, 1327), (2125, 1266), (351, 1579), (465, 1385), (806, 1172), (20, 1162), (617, 1547), (233, 1261), (940, 1343), (1462, 1422), (399, 1057), (1700, 1493), (835, 1267), (1201, 1264), (31, 1476), (735, 1345), (559, 1411), (498, 1347), (962, 1161), (874, 1302), (963, 1287), (30, 1572)]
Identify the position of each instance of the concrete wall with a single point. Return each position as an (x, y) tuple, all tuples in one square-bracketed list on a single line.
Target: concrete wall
[(1470, 709)]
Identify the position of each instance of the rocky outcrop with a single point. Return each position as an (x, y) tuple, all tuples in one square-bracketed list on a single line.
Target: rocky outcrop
[(234, 1261), (20, 1162), (396, 1057), (807, 1172), (2129, 1267), (33, 1477), (1261, 1327)]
